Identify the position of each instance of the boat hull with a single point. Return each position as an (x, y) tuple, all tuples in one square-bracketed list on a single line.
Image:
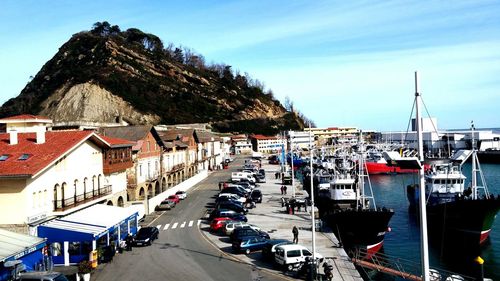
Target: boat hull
[(462, 225), (364, 229), (374, 168)]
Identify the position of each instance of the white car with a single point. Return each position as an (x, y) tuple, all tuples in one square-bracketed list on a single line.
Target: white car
[(182, 194), (233, 197), (291, 254), (230, 227)]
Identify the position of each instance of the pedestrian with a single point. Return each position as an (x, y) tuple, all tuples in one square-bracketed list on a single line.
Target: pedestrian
[(128, 242), (282, 201), (284, 188), (295, 232), (220, 186), (276, 175)]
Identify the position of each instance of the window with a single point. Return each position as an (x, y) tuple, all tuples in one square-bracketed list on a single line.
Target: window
[(293, 253), (4, 157), (24, 157), (74, 248), (56, 249)]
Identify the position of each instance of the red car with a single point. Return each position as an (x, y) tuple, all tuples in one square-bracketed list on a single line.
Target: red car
[(174, 198), (217, 224)]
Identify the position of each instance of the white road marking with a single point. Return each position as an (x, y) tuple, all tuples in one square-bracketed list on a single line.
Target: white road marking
[(174, 226), (183, 224), (158, 226), (190, 223), (166, 226), (199, 222)]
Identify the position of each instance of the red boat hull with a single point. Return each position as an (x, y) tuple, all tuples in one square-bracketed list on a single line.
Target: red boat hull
[(374, 168)]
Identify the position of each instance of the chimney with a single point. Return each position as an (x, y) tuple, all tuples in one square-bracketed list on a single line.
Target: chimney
[(13, 137), (40, 136)]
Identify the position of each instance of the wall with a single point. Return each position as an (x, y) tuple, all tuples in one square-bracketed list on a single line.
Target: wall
[(11, 198), (184, 186)]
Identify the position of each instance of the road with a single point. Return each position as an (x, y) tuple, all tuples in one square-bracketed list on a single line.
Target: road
[(182, 252)]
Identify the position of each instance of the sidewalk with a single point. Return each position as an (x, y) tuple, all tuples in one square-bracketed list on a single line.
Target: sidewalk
[(272, 218)]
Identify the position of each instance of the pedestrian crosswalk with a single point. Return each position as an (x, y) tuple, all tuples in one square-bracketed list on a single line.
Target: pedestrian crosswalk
[(179, 225)]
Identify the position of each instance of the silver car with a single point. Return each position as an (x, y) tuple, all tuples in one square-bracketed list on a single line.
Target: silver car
[(230, 227)]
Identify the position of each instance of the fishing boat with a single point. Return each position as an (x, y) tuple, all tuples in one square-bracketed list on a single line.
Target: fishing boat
[(348, 210), (458, 219), (377, 165)]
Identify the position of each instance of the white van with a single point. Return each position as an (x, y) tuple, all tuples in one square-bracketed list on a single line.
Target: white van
[(237, 176), (291, 254)]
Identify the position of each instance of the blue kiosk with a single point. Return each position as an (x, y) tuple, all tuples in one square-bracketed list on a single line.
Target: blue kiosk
[(72, 238), (20, 251)]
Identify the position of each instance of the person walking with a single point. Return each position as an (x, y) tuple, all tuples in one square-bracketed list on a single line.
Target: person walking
[(220, 186), (284, 188), (295, 232)]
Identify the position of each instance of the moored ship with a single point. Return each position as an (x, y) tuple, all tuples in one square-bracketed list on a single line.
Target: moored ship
[(459, 218), (345, 207)]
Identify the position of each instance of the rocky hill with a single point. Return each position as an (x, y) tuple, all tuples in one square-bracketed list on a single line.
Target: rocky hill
[(107, 74)]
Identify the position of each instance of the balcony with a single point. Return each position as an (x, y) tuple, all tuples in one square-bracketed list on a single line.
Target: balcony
[(68, 203)]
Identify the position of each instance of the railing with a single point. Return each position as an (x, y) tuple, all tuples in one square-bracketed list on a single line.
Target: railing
[(406, 269), (67, 203)]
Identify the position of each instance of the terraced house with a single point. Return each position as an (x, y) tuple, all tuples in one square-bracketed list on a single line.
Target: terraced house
[(48, 174)]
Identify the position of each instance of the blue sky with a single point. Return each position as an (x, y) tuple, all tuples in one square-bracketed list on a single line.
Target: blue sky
[(342, 63)]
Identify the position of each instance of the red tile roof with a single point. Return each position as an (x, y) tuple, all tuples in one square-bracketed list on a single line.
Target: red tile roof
[(262, 137), (56, 145), (25, 117), (116, 142)]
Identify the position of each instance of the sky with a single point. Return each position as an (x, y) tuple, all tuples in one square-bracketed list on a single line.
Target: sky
[(341, 63)]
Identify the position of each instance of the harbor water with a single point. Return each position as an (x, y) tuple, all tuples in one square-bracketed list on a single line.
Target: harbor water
[(404, 239)]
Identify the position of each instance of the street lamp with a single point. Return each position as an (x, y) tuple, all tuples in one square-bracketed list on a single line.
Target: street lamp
[(312, 205), (291, 160)]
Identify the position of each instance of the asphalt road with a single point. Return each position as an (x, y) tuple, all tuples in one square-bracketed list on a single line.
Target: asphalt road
[(182, 252)]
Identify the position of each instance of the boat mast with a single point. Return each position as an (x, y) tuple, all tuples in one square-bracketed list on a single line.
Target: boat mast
[(474, 155), (361, 180), (476, 168), (424, 248)]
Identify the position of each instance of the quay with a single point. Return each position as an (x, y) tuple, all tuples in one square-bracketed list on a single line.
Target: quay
[(272, 218)]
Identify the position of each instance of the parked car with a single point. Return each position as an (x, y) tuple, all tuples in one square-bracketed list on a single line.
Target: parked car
[(249, 244), (175, 198), (289, 255), (218, 224), (242, 232), (232, 196), (270, 248), (260, 178), (146, 235), (230, 227), (227, 213), (235, 190), (256, 196), (166, 205), (41, 276), (232, 205), (182, 194)]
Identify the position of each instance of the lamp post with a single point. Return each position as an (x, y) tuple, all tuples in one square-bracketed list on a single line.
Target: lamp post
[(312, 204), (291, 160)]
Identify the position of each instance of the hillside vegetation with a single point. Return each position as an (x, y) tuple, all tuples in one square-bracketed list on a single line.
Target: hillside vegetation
[(107, 74)]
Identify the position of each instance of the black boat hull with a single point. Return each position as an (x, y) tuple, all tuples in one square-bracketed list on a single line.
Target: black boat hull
[(460, 226), (363, 229)]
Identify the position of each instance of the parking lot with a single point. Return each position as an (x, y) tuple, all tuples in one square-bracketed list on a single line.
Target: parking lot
[(272, 218)]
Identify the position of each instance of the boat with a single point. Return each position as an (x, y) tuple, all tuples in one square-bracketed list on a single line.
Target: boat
[(458, 219), (344, 206), (377, 165)]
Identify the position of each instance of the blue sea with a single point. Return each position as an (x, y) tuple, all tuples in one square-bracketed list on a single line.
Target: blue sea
[(404, 239)]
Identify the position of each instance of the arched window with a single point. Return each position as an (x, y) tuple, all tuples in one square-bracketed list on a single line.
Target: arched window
[(85, 188)]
